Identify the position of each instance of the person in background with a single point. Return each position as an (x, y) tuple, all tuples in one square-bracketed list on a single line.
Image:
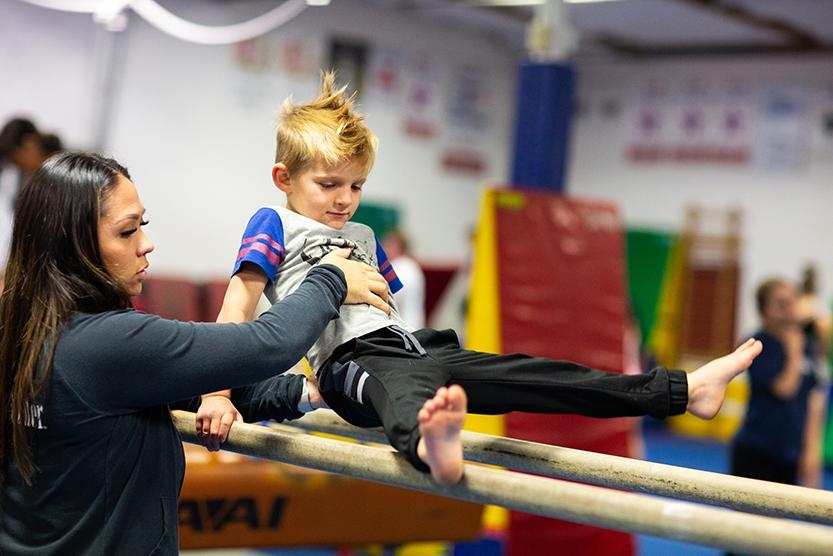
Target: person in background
[(780, 438), (815, 319), (51, 144), (411, 300), (451, 309), (22, 150), (19, 143), (26, 148)]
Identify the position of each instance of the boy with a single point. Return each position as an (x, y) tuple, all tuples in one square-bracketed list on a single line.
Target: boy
[(372, 367)]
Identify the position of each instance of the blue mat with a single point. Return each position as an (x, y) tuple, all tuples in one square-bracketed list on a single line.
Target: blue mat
[(664, 447)]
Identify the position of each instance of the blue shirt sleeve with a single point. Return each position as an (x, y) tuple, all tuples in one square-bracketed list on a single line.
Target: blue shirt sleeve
[(768, 365), (386, 269), (262, 243)]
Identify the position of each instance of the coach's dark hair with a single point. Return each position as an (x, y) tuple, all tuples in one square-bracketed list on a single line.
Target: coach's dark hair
[(54, 270)]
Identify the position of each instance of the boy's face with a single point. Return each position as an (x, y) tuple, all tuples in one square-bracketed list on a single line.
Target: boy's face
[(328, 194)]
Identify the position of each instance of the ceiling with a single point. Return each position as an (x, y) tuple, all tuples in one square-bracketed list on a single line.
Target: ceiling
[(654, 28)]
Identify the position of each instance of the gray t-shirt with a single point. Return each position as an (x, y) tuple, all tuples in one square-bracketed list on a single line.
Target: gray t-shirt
[(285, 245)]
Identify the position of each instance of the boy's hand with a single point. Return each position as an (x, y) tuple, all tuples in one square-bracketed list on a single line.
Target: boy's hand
[(316, 400), (214, 419), (364, 283)]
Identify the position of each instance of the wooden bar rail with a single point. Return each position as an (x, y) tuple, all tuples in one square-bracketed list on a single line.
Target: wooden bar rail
[(726, 529), (748, 495)]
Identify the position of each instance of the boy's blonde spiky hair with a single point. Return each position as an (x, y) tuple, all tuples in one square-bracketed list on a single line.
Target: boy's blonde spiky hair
[(327, 129)]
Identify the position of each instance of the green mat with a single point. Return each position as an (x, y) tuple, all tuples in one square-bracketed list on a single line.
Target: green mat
[(828, 430), (647, 259), (381, 218)]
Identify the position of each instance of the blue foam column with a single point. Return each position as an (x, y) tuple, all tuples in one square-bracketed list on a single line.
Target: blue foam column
[(542, 125)]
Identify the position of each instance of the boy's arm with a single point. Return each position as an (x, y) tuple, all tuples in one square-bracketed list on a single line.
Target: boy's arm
[(242, 295), (216, 412)]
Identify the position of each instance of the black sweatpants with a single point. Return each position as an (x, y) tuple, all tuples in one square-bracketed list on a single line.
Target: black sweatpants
[(385, 377)]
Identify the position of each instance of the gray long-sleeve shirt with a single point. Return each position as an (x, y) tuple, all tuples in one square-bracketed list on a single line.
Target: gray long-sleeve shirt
[(110, 461)]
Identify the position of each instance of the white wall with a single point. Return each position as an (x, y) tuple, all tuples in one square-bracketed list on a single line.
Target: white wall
[(788, 214), (197, 133), (196, 130), (48, 69)]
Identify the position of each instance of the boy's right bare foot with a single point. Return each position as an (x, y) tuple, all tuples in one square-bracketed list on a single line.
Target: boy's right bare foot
[(440, 446), (707, 385)]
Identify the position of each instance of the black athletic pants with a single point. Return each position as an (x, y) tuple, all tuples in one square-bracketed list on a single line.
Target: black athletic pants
[(384, 378)]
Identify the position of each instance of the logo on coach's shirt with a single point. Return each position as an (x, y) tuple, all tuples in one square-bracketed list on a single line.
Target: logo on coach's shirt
[(33, 416)]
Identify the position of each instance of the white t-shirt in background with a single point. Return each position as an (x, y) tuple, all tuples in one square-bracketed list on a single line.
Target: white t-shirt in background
[(9, 179), (410, 300)]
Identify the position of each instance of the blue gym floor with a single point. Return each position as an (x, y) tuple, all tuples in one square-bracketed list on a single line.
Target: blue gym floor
[(665, 447)]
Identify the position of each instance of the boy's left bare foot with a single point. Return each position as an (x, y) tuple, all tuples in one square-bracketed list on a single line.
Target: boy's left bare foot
[(707, 385), (440, 422)]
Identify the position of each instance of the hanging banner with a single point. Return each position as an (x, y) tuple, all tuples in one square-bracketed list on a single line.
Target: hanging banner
[(422, 106)]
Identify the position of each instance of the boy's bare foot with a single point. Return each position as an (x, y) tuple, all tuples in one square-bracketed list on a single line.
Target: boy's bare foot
[(440, 422), (707, 385)]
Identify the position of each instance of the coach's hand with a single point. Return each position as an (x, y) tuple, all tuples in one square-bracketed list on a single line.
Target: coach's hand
[(364, 283), (214, 419)]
